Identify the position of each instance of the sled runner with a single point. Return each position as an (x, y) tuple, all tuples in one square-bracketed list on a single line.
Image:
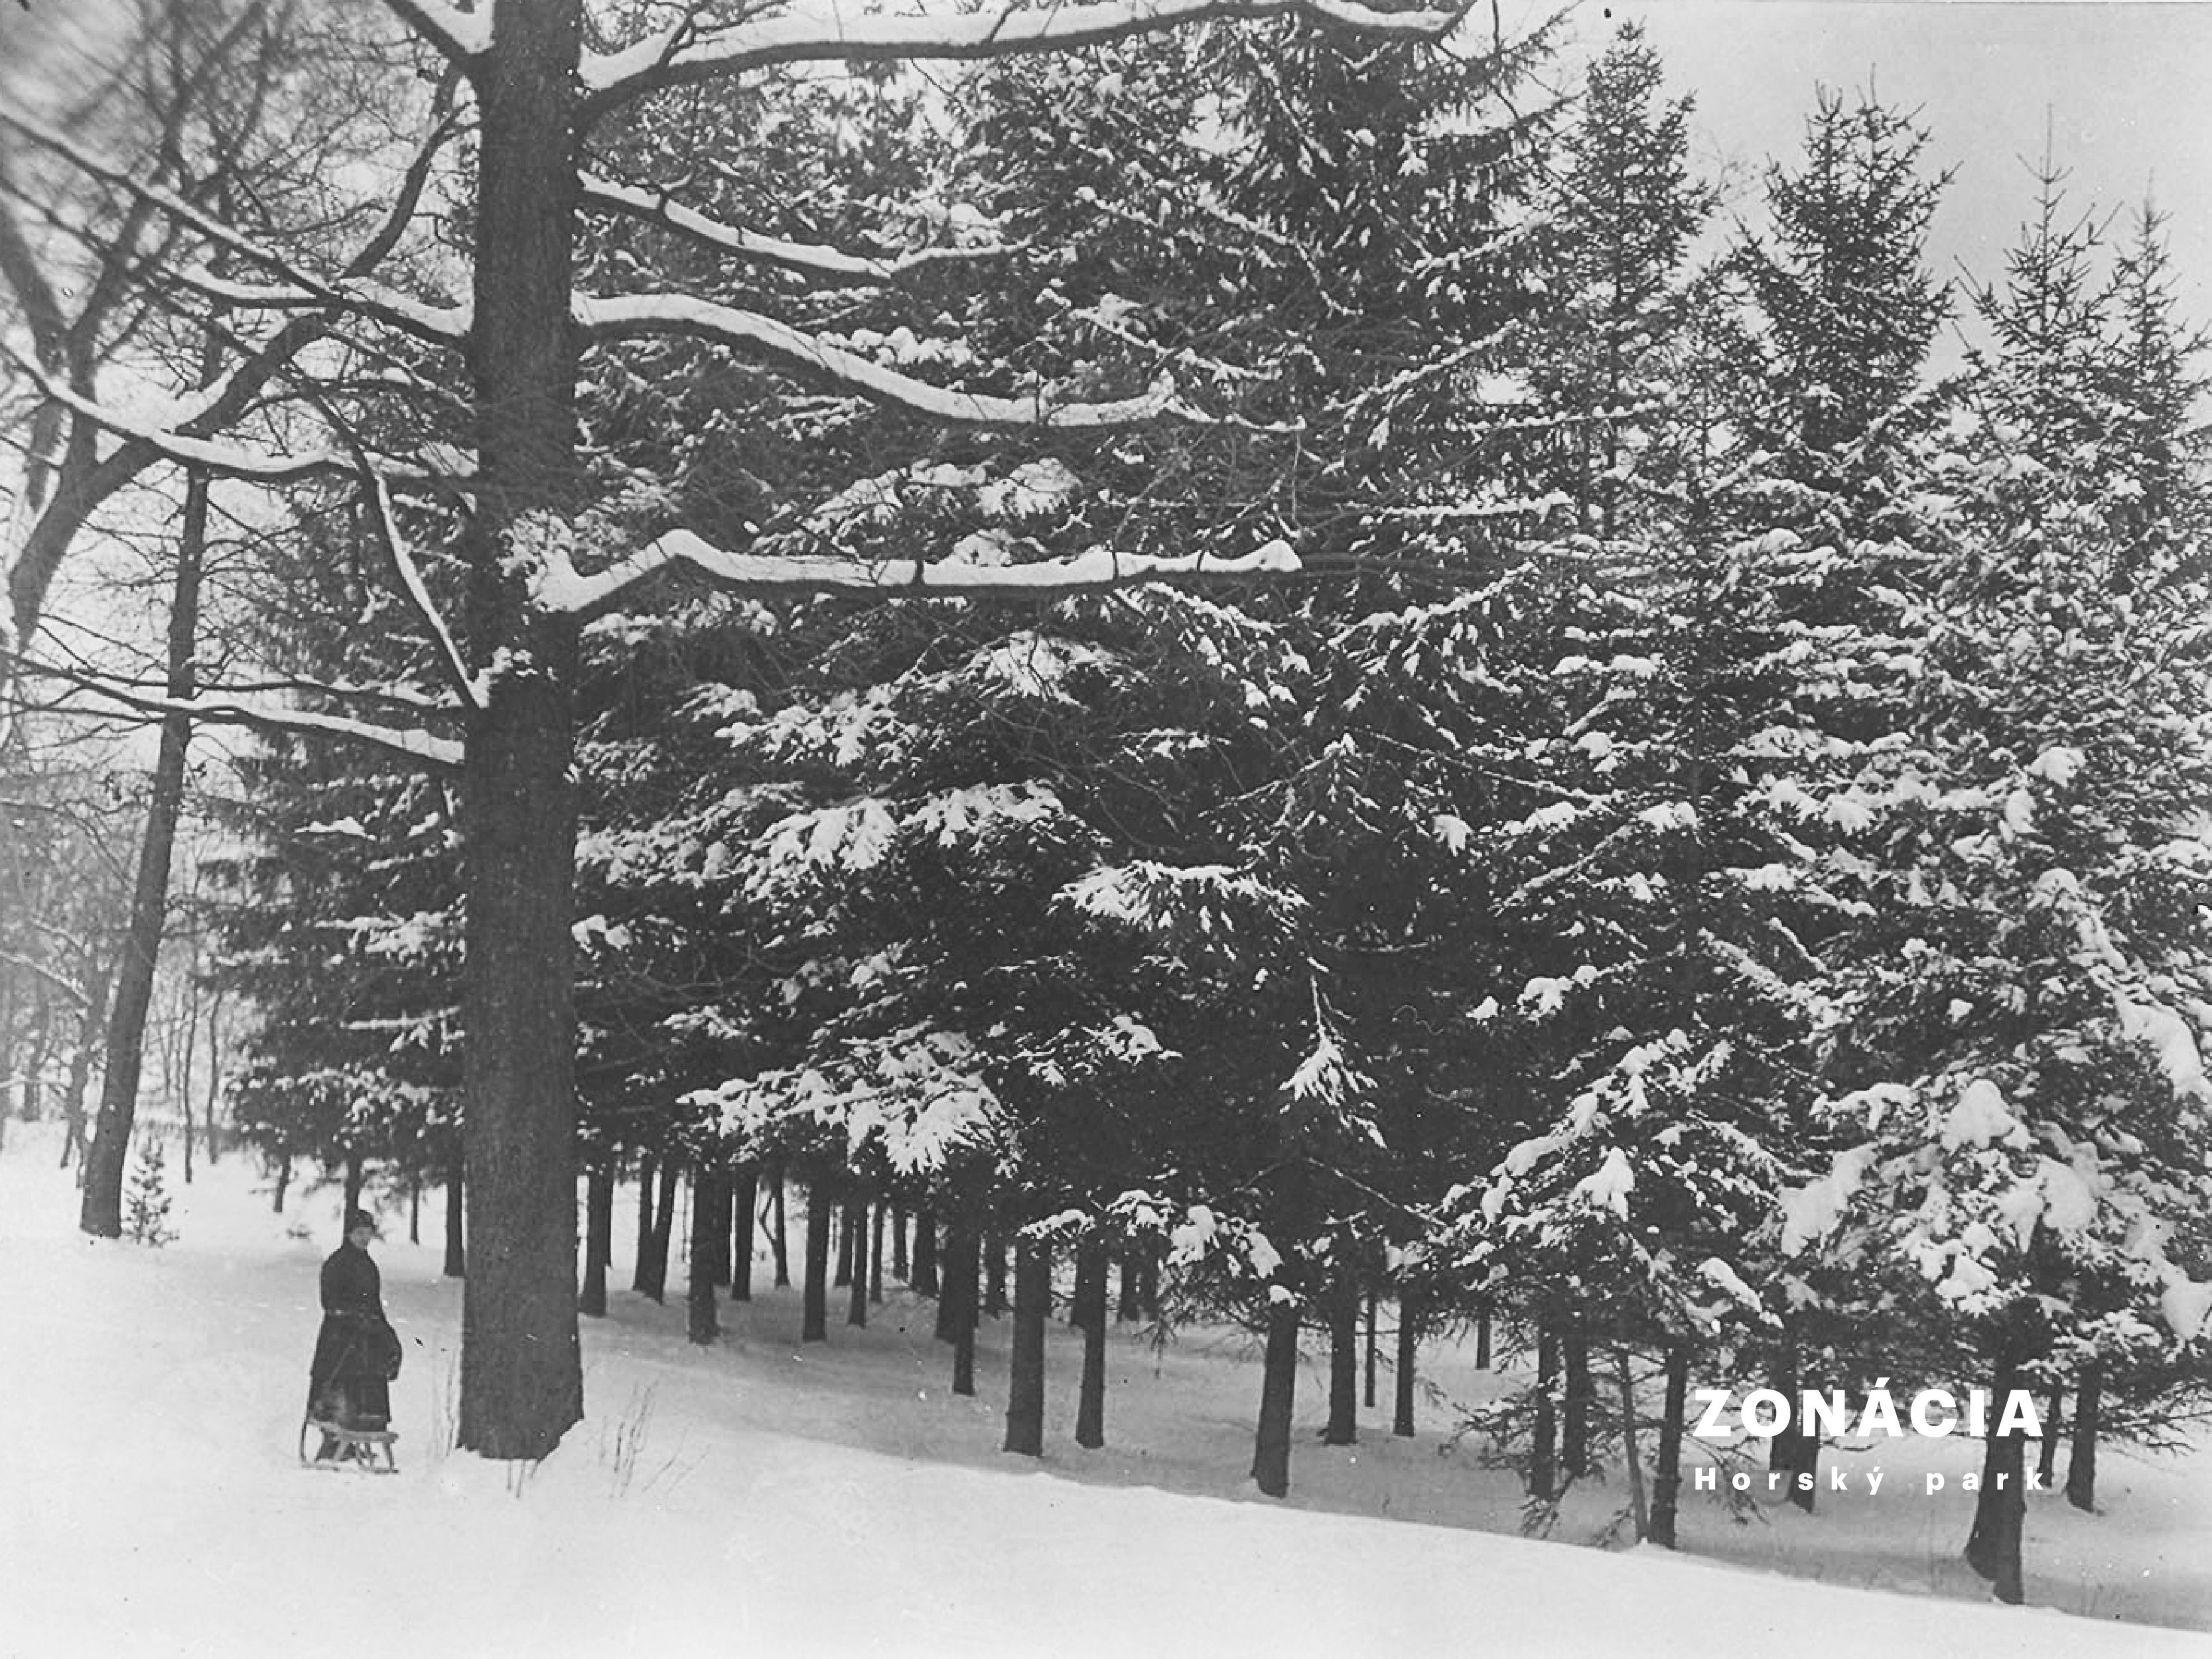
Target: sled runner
[(367, 1449)]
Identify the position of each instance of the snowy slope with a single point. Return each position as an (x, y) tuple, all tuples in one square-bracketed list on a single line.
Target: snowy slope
[(758, 1499)]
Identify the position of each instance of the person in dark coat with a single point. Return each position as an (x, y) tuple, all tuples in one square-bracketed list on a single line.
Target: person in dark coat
[(356, 1351)]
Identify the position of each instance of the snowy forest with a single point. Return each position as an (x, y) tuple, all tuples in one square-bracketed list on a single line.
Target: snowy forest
[(1139, 660)]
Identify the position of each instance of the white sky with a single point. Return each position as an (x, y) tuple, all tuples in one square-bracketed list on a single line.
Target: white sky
[(2125, 87)]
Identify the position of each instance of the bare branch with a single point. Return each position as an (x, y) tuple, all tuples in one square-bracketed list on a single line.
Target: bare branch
[(668, 59)]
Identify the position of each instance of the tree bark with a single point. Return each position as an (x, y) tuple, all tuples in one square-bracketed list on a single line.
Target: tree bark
[(1129, 1305), (2081, 1450), (1580, 1393), (1342, 1428), (1090, 1264), (1368, 1353), (653, 1259), (843, 1275), (599, 1222), (876, 1253), (710, 1236), (1278, 1383), (778, 1238), (1026, 1382), (898, 1242), (1667, 1480), (648, 1171), (1090, 1399), (1544, 1434), (994, 1274), (856, 1223), (814, 1315), (743, 1211), (1409, 1338), (925, 1252), (963, 1294), (101, 1208), (456, 1265), (521, 1367), (2001, 1507)]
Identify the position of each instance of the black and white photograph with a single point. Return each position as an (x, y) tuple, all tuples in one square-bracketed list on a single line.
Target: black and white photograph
[(1067, 828)]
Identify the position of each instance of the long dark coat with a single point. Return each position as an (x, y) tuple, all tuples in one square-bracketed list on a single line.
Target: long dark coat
[(356, 1351)]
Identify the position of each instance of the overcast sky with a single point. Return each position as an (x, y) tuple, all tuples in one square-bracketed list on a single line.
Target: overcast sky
[(2124, 87)]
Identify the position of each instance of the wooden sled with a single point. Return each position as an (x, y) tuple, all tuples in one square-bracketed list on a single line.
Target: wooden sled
[(368, 1450)]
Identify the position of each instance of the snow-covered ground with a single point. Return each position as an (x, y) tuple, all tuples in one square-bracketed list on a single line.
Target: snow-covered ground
[(759, 1498)]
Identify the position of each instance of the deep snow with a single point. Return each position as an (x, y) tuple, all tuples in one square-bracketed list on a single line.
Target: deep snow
[(757, 1498)]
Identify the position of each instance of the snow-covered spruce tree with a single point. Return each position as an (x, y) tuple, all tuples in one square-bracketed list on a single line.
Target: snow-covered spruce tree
[(146, 1204), (1622, 209), (2018, 1028)]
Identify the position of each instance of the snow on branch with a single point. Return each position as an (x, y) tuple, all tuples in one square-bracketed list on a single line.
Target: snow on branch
[(764, 337), (409, 578), (419, 747), (686, 53), (458, 35), (561, 588), (808, 259)]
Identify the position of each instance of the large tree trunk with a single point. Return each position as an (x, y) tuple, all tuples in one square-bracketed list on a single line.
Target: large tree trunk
[(2000, 1508), (1032, 1312), (1342, 1428), (814, 1298), (1667, 1480), (522, 1367), (101, 1209), (2081, 1452), (1129, 1305), (599, 1223), (1091, 1398), (1278, 1384)]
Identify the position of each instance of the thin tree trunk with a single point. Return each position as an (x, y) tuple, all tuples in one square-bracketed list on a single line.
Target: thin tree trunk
[(1667, 1481), (1368, 1345), (846, 1244), (1089, 1265), (599, 1222), (456, 1202), (1091, 1399), (1129, 1305), (876, 1253), (641, 1266), (1148, 1285), (215, 1078), (2082, 1451), (90, 1032), (1631, 1453), (653, 1259), (898, 1242), (2046, 1459), (1482, 1341), (414, 1209), (743, 1211), (353, 1181), (814, 1316), (1580, 1394), (101, 1209), (283, 1182), (1342, 1428), (710, 1234), (963, 1294), (1544, 1436), (925, 1252), (779, 1236), (1409, 1337), (994, 1274), (1025, 1382), (1278, 1383), (856, 1223)]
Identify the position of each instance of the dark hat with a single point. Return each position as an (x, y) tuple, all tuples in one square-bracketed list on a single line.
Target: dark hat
[(357, 1220)]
